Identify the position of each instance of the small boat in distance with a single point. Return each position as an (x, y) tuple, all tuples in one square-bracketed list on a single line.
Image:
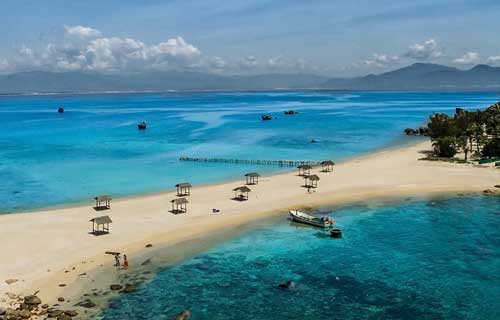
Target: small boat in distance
[(290, 112), (141, 125), (60, 110), (266, 117), (302, 217)]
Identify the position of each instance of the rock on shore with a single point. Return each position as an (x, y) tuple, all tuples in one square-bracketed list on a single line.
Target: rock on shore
[(31, 307)]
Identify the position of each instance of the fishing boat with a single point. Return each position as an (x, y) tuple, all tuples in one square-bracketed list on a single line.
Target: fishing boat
[(142, 125), (266, 117), (302, 217), (60, 110)]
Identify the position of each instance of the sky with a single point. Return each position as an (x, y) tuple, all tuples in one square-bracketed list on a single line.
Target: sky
[(336, 38)]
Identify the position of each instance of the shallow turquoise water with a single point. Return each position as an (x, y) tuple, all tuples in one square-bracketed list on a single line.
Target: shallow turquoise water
[(435, 259), (94, 148)]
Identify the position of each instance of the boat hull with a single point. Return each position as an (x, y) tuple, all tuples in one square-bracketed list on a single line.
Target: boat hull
[(309, 220)]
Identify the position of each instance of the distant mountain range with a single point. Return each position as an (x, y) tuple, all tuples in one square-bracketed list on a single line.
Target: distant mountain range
[(418, 76), (424, 76)]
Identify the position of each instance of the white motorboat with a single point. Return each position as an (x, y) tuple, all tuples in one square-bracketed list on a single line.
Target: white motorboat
[(305, 218)]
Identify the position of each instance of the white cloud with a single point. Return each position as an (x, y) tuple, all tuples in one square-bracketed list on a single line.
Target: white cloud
[(276, 62), (248, 62), (427, 50), (216, 62), (381, 60), (174, 47), (285, 65), (493, 59), (109, 55), (468, 58), (82, 32), (86, 49)]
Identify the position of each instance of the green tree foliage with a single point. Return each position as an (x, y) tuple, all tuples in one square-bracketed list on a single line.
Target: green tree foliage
[(445, 147), (441, 125), (468, 131), (492, 148)]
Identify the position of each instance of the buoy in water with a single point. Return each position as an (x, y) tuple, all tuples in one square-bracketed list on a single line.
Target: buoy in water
[(335, 233)]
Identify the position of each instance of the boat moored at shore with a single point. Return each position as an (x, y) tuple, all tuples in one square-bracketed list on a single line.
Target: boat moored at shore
[(305, 218)]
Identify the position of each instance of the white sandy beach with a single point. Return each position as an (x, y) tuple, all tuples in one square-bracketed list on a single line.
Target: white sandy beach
[(37, 248)]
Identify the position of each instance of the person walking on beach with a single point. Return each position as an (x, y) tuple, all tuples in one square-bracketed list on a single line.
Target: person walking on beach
[(125, 262), (117, 260)]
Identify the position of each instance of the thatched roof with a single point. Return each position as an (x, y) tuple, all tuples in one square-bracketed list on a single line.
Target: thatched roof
[(328, 163), (180, 201), (183, 185), (312, 177), (242, 189), (304, 167), (101, 220), (252, 174), (103, 198)]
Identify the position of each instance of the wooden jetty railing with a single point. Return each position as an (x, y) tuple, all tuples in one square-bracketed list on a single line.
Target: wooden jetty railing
[(282, 163)]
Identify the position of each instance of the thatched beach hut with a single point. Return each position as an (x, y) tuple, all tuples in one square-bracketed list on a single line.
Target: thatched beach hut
[(327, 166), (241, 193), (100, 225), (102, 202), (183, 189), (304, 169), (179, 205), (252, 178), (311, 181)]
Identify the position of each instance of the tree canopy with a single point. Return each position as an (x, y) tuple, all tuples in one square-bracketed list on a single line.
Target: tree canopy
[(475, 132)]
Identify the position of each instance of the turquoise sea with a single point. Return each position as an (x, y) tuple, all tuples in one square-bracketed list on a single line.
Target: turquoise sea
[(49, 159), (415, 259)]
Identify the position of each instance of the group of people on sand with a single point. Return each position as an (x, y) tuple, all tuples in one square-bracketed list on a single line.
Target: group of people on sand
[(117, 260)]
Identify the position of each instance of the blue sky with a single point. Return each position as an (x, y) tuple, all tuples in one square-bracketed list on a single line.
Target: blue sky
[(336, 38)]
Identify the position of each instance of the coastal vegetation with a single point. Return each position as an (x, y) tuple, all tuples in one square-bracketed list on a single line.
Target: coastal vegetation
[(472, 133)]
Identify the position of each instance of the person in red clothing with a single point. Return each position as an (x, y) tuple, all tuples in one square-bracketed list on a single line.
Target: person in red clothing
[(125, 262)]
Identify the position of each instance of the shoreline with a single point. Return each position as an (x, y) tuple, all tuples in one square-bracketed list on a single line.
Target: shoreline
[(164, 255), (49, 247), (395, 144)]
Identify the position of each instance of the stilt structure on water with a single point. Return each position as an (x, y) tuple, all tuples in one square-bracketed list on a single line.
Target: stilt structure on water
[(283, 163)]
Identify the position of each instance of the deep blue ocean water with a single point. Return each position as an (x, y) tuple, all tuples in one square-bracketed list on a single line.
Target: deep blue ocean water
[(418, 259), (48, 159)]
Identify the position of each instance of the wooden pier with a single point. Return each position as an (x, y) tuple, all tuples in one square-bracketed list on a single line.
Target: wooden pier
[(281, 163)]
